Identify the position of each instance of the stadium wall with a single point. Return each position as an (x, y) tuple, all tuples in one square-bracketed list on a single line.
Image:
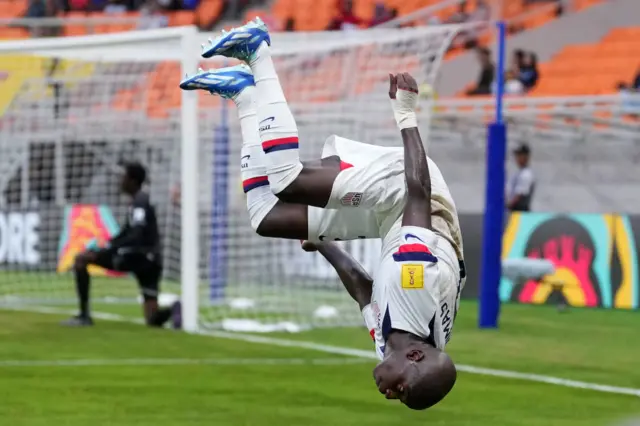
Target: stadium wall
[(596, 255)]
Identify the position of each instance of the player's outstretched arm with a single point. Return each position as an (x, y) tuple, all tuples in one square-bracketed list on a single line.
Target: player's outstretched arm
[(356, 280), (403, 91)]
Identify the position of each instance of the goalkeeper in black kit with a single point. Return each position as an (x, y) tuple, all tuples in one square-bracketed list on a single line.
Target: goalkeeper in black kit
[(136, 250)]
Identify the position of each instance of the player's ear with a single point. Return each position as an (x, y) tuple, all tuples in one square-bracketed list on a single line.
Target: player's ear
[(393, 86)]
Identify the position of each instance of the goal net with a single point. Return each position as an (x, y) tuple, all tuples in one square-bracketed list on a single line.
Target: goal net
[(73, 109)]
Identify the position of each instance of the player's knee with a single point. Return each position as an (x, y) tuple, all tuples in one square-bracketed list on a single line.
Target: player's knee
[(260, 227), (285, 184), (80, 263), (287, 194)]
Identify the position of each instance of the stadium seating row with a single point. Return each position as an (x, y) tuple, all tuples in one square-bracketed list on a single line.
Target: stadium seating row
[(207, 12), (574, 71), (306, 15)]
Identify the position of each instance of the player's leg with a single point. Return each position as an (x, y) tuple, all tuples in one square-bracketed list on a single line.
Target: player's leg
[(269, 216), (289, 180), (147, 269), (102, 258)]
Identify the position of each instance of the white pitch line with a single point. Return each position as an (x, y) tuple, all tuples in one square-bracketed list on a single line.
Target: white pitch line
[(179, 361), (358, 353)]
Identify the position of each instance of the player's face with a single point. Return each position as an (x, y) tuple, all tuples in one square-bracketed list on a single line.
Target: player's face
[(391, 376), (125, 183), (522, 159)]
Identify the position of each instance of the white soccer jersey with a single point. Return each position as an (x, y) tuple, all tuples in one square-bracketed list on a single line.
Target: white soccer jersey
[(417, 285), (416, 289)]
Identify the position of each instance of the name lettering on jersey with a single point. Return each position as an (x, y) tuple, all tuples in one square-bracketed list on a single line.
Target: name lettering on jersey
[(447, 322), (412, 276), (352, 199)]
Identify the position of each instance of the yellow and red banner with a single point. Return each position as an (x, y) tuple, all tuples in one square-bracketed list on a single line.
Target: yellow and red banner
[(84, 227)]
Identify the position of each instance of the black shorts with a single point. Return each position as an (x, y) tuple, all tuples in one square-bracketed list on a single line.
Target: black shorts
[(146, 268)]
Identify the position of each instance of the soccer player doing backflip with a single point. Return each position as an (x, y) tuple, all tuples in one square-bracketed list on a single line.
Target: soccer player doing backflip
[(354, 191)]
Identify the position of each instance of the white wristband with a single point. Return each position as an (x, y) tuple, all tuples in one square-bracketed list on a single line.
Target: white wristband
[(404, 107)]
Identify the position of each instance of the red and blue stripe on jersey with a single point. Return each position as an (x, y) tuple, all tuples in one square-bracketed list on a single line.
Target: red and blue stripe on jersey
[(414, 253), (254, 183), (280, 144)]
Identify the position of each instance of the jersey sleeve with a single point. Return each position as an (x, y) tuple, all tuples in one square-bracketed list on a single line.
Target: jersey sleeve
[(139, 211)]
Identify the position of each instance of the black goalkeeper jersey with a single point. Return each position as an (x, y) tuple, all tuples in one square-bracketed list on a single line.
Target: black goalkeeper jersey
[(140, 232)]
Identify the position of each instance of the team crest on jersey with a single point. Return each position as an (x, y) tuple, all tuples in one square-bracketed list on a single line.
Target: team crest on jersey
[(351, 199), (412, 276)]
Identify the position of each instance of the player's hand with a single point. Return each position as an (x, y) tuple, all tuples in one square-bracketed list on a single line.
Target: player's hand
[(393, 86), (406, 82), (403, 91), (308, 246)]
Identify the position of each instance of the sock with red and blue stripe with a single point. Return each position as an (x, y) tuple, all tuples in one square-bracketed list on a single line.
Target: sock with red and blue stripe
[(255, 182), (277, 127)]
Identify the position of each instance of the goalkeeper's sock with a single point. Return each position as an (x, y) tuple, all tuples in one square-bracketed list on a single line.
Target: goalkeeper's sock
[(260, 199), (82, 288), (277, 127)]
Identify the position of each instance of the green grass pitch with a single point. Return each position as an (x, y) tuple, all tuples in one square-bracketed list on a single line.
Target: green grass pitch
[(122, 380)]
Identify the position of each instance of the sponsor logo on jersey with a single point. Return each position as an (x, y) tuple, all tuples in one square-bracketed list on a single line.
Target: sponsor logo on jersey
[(412, 276), (352, 199), (244, 163), (408, 237), (447, 322)]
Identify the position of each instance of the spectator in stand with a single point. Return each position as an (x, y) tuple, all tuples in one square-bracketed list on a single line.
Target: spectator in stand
[(512, 86), (78, 5), (151, 16), (460, 16), (290, 25), (37, 9), (381, 15), (528, 74), (487, 73), (346, 20), (517, 61), (636, 82), (41, 9), (115, 7), (629, 97)]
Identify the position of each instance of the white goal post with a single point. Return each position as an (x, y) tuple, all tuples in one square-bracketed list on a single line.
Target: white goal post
[(74, 107)]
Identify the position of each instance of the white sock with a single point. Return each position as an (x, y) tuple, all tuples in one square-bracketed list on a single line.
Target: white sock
[(260, 199), (277, 127)]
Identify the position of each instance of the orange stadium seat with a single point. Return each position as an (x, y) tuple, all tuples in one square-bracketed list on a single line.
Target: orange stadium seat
[(12, 8), (573, 71), (182, 17), (208, 11)]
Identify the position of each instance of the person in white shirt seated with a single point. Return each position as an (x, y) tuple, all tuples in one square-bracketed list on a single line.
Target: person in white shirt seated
[(512, 86)]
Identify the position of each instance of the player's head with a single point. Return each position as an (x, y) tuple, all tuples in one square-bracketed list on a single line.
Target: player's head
[(134, 176), (521, 155), (419, 375)]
